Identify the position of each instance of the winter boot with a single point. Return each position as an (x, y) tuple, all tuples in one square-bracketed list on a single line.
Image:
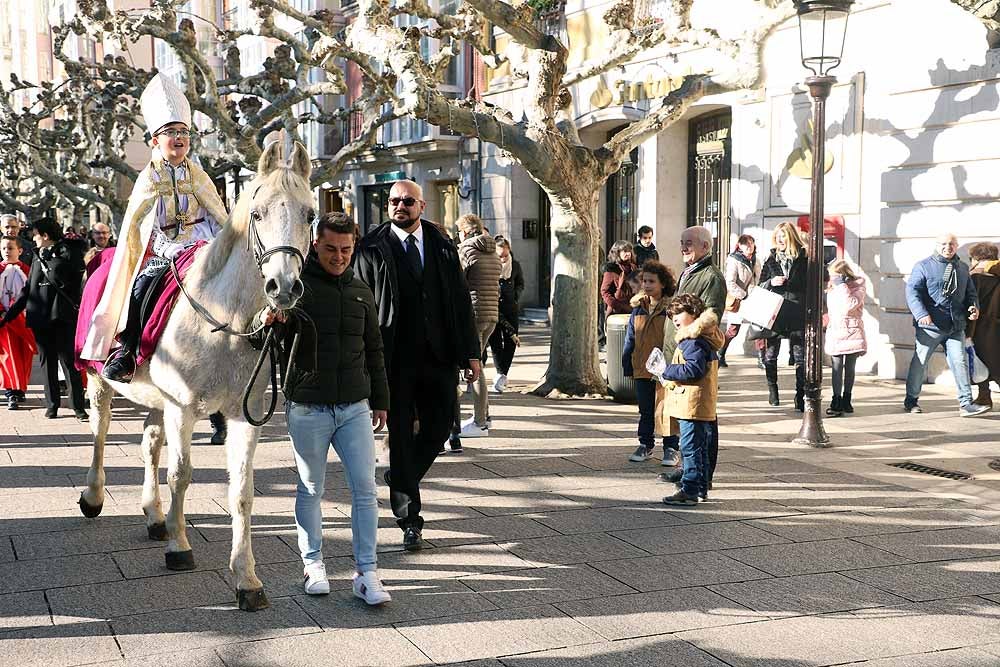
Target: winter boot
[(800, 382), (836, 408), (845, 403), (771, 373), (984, 397), (772, 394)]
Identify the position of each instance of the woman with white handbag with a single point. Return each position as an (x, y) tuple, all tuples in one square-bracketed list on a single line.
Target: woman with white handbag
[(784, 273)]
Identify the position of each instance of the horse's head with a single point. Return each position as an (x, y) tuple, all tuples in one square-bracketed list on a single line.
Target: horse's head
[(279, 221)]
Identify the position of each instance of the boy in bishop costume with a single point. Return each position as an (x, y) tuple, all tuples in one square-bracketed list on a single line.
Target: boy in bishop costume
[(173, 205)]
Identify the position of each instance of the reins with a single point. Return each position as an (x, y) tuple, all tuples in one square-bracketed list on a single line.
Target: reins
[(272, 345)]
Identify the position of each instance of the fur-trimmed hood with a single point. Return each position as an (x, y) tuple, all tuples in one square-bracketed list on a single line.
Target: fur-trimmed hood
[(707, 327)]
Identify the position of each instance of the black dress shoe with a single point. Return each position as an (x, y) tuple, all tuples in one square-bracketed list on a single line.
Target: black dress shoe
[(50, 413), (82, 415), (412, 540)]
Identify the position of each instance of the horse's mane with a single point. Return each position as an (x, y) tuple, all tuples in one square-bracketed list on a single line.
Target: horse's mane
[(234, 231)]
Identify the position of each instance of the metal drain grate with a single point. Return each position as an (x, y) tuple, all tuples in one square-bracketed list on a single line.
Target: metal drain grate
[(930, 470)]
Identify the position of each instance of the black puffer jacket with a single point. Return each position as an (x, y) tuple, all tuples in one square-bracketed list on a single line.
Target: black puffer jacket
[(343, 363)]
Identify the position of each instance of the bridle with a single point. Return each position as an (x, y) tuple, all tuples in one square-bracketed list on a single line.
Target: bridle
[(256, 246), (271, 346)]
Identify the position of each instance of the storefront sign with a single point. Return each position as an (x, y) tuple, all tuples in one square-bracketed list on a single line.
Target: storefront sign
[(390, 176), (628, 92)]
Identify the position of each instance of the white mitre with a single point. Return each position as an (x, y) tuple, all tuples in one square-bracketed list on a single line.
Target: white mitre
[(163, 103)]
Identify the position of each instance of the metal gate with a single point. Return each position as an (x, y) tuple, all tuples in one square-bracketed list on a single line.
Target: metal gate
[(709, 169), (620, 194)]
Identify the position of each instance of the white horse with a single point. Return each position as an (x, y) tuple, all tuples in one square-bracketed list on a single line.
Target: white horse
[(255, 261)]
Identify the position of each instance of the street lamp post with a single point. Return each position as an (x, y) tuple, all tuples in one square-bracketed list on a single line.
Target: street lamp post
[(822, 28)]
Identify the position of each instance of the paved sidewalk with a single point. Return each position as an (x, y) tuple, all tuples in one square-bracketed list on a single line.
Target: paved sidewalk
[(546, 548)]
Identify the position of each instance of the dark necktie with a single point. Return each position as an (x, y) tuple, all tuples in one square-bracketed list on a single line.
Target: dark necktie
[(413, 255)]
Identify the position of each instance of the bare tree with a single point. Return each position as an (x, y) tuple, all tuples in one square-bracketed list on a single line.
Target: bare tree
[(68, 147)]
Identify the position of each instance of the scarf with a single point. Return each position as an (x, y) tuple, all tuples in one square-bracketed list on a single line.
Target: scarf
[(743, 259), (784, 261), (505, 268), (949, 279)]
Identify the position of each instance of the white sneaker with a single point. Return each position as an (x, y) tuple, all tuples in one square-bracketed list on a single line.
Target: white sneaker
[(670, 458), (497, 386), (315, 582), (470, 429), (369, 588), (502, 382)]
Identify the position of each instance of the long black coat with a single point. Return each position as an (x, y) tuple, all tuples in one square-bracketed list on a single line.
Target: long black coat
[(375, 266), (985, 331), (791, 317), (52, 301)]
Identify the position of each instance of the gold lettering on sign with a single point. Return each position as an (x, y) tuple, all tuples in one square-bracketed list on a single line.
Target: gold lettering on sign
[(602, 97)]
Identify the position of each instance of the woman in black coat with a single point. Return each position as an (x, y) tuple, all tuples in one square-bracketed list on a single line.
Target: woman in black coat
[(50, 301), (784, 272), (503, 340)]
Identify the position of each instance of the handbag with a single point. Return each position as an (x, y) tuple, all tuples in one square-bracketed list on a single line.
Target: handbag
[(978, 372), (757, 332), (761, 307)]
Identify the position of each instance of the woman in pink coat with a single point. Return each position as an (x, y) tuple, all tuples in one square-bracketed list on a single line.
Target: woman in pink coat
[(845, 334)]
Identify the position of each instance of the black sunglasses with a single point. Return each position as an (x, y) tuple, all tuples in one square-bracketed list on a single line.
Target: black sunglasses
[(406, 201)]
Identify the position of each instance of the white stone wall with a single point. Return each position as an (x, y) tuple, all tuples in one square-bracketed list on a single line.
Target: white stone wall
[(910, 126)]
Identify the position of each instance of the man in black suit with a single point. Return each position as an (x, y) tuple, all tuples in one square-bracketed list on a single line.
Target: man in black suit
[(428, 330)]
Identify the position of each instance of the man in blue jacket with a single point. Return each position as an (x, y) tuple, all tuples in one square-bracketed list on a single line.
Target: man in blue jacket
[(942, 299)]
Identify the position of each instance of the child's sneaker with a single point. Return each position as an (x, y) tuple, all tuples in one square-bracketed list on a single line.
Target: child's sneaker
[(369, 588), (680, 498), (641, 453), (315, 582), (670, 458)]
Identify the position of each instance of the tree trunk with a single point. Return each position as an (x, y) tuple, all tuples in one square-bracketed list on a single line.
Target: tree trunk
[(574, 367)]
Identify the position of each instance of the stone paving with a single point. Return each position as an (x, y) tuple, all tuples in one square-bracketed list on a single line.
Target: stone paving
[(545, 547)]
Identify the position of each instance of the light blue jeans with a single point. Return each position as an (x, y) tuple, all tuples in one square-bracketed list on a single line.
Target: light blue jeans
[(348, 427), (926, 341)]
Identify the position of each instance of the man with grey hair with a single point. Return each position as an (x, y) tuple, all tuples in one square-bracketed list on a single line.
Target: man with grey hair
[(11, 226), (942, 299), (702, 278)]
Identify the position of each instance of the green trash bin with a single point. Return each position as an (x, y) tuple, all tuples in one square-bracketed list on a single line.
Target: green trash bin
[(622, 388)]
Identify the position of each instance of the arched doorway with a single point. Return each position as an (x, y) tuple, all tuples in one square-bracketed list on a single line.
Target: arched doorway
[(709, 170)]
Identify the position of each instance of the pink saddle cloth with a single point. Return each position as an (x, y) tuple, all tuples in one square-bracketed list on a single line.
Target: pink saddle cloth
[(165, 296)]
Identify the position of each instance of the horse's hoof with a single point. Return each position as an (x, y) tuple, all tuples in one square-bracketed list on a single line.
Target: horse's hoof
[(89, 511), (180, 560), (158, 532), (252, 600)]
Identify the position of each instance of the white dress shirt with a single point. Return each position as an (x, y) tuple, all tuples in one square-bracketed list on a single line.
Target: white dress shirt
[(418, 234)]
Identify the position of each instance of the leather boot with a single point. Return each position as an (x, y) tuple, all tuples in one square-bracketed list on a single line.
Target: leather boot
[(800, 383), (836, 408), (984, 397), (845, 403), (771, 373)]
